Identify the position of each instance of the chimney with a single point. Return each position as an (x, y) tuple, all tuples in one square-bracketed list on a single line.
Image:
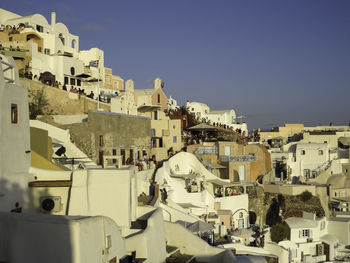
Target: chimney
[(53, 18)]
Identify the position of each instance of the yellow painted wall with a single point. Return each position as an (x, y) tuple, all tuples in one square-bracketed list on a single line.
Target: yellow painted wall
[(39, 161)]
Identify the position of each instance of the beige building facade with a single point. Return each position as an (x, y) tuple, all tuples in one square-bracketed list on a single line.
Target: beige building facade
[(235, 161)]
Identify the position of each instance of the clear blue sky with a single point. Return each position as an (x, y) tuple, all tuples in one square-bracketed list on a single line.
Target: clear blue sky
[(272, 61)]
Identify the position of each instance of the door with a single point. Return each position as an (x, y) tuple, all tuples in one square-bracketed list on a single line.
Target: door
[(122, 153), (241, 173), (100, 158), (227, 150), (131, 155), (240, 223)]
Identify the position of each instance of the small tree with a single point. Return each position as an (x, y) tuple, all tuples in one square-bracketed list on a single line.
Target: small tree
[(38, 103), (279, 232), (305, 196)]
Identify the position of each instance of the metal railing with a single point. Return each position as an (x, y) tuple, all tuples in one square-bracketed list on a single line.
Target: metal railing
[(206, 150), (8, 71), (237, 158)]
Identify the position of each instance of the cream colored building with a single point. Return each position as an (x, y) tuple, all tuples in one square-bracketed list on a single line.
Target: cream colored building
[(155, 96), (125, 102), (165, 133), (288, 130), (112, 83)]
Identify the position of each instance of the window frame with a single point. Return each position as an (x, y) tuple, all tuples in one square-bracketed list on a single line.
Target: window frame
[(14, 113)]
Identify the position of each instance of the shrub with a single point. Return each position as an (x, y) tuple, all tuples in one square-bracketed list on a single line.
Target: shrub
[(305, 196), (279, 232), (38, 104)]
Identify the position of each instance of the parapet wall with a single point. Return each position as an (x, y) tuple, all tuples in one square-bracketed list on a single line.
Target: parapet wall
[(63, 102)]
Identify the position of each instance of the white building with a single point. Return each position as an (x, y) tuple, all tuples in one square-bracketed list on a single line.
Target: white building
[(125, 101), (309, 240), (172, 104), (14, 138), (54, 50), (223, 117), (190, 187), (307, 160)]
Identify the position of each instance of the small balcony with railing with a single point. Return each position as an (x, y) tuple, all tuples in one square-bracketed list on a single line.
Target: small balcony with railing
[(238, 158)]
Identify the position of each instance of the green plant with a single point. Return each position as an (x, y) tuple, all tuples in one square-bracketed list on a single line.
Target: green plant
[(38, 103), (279, 232), (305, 196)]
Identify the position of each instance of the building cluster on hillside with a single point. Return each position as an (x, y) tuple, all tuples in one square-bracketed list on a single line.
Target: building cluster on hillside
[(145, 180)]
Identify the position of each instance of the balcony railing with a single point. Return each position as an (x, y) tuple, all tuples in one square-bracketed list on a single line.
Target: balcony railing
[(206, 150), (238, 158)]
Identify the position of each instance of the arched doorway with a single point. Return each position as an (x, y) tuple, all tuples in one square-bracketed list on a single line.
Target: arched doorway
[(47, 78), (36, 39)]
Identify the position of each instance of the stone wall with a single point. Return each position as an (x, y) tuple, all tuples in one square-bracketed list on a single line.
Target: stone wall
[(62, 102)]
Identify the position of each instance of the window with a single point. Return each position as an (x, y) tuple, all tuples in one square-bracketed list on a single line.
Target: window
[(160, 142), (323, 225), (325, 142), (174, 139), (72, 71), (39, 28), (302, 152), (108, 79), (305, 233), (78, 82), (65, 80), (72, 81), (158, 98), (114, 152), (156, 115), (153, 132), (174, 126), (240, 215), (320, 152), (153, 143), (116, 86), (46, 51), (60, 36), (192, 109), (101, 140), (14, 113), (131, 155)]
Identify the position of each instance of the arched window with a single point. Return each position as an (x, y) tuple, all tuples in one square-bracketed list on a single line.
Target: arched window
[(158, 98), (72, 71), (73, 43), (240, 214)]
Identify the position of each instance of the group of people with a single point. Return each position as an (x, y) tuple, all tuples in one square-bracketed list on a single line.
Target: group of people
[(189, 138), (145, 163)]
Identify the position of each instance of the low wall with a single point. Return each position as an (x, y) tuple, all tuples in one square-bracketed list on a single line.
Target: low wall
[(178, 236), (60, 101), (289, 189), (150, 243), (282, 253)]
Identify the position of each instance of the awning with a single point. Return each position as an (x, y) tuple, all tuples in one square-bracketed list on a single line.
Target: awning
[(200, 227), (202, 127), (221, 182), (329, 239), (148, 108), (83, 75), (344, 141)]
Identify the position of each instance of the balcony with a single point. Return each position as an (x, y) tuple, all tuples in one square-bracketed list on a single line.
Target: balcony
[(238, 158), (21, 54), (206, 150)]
